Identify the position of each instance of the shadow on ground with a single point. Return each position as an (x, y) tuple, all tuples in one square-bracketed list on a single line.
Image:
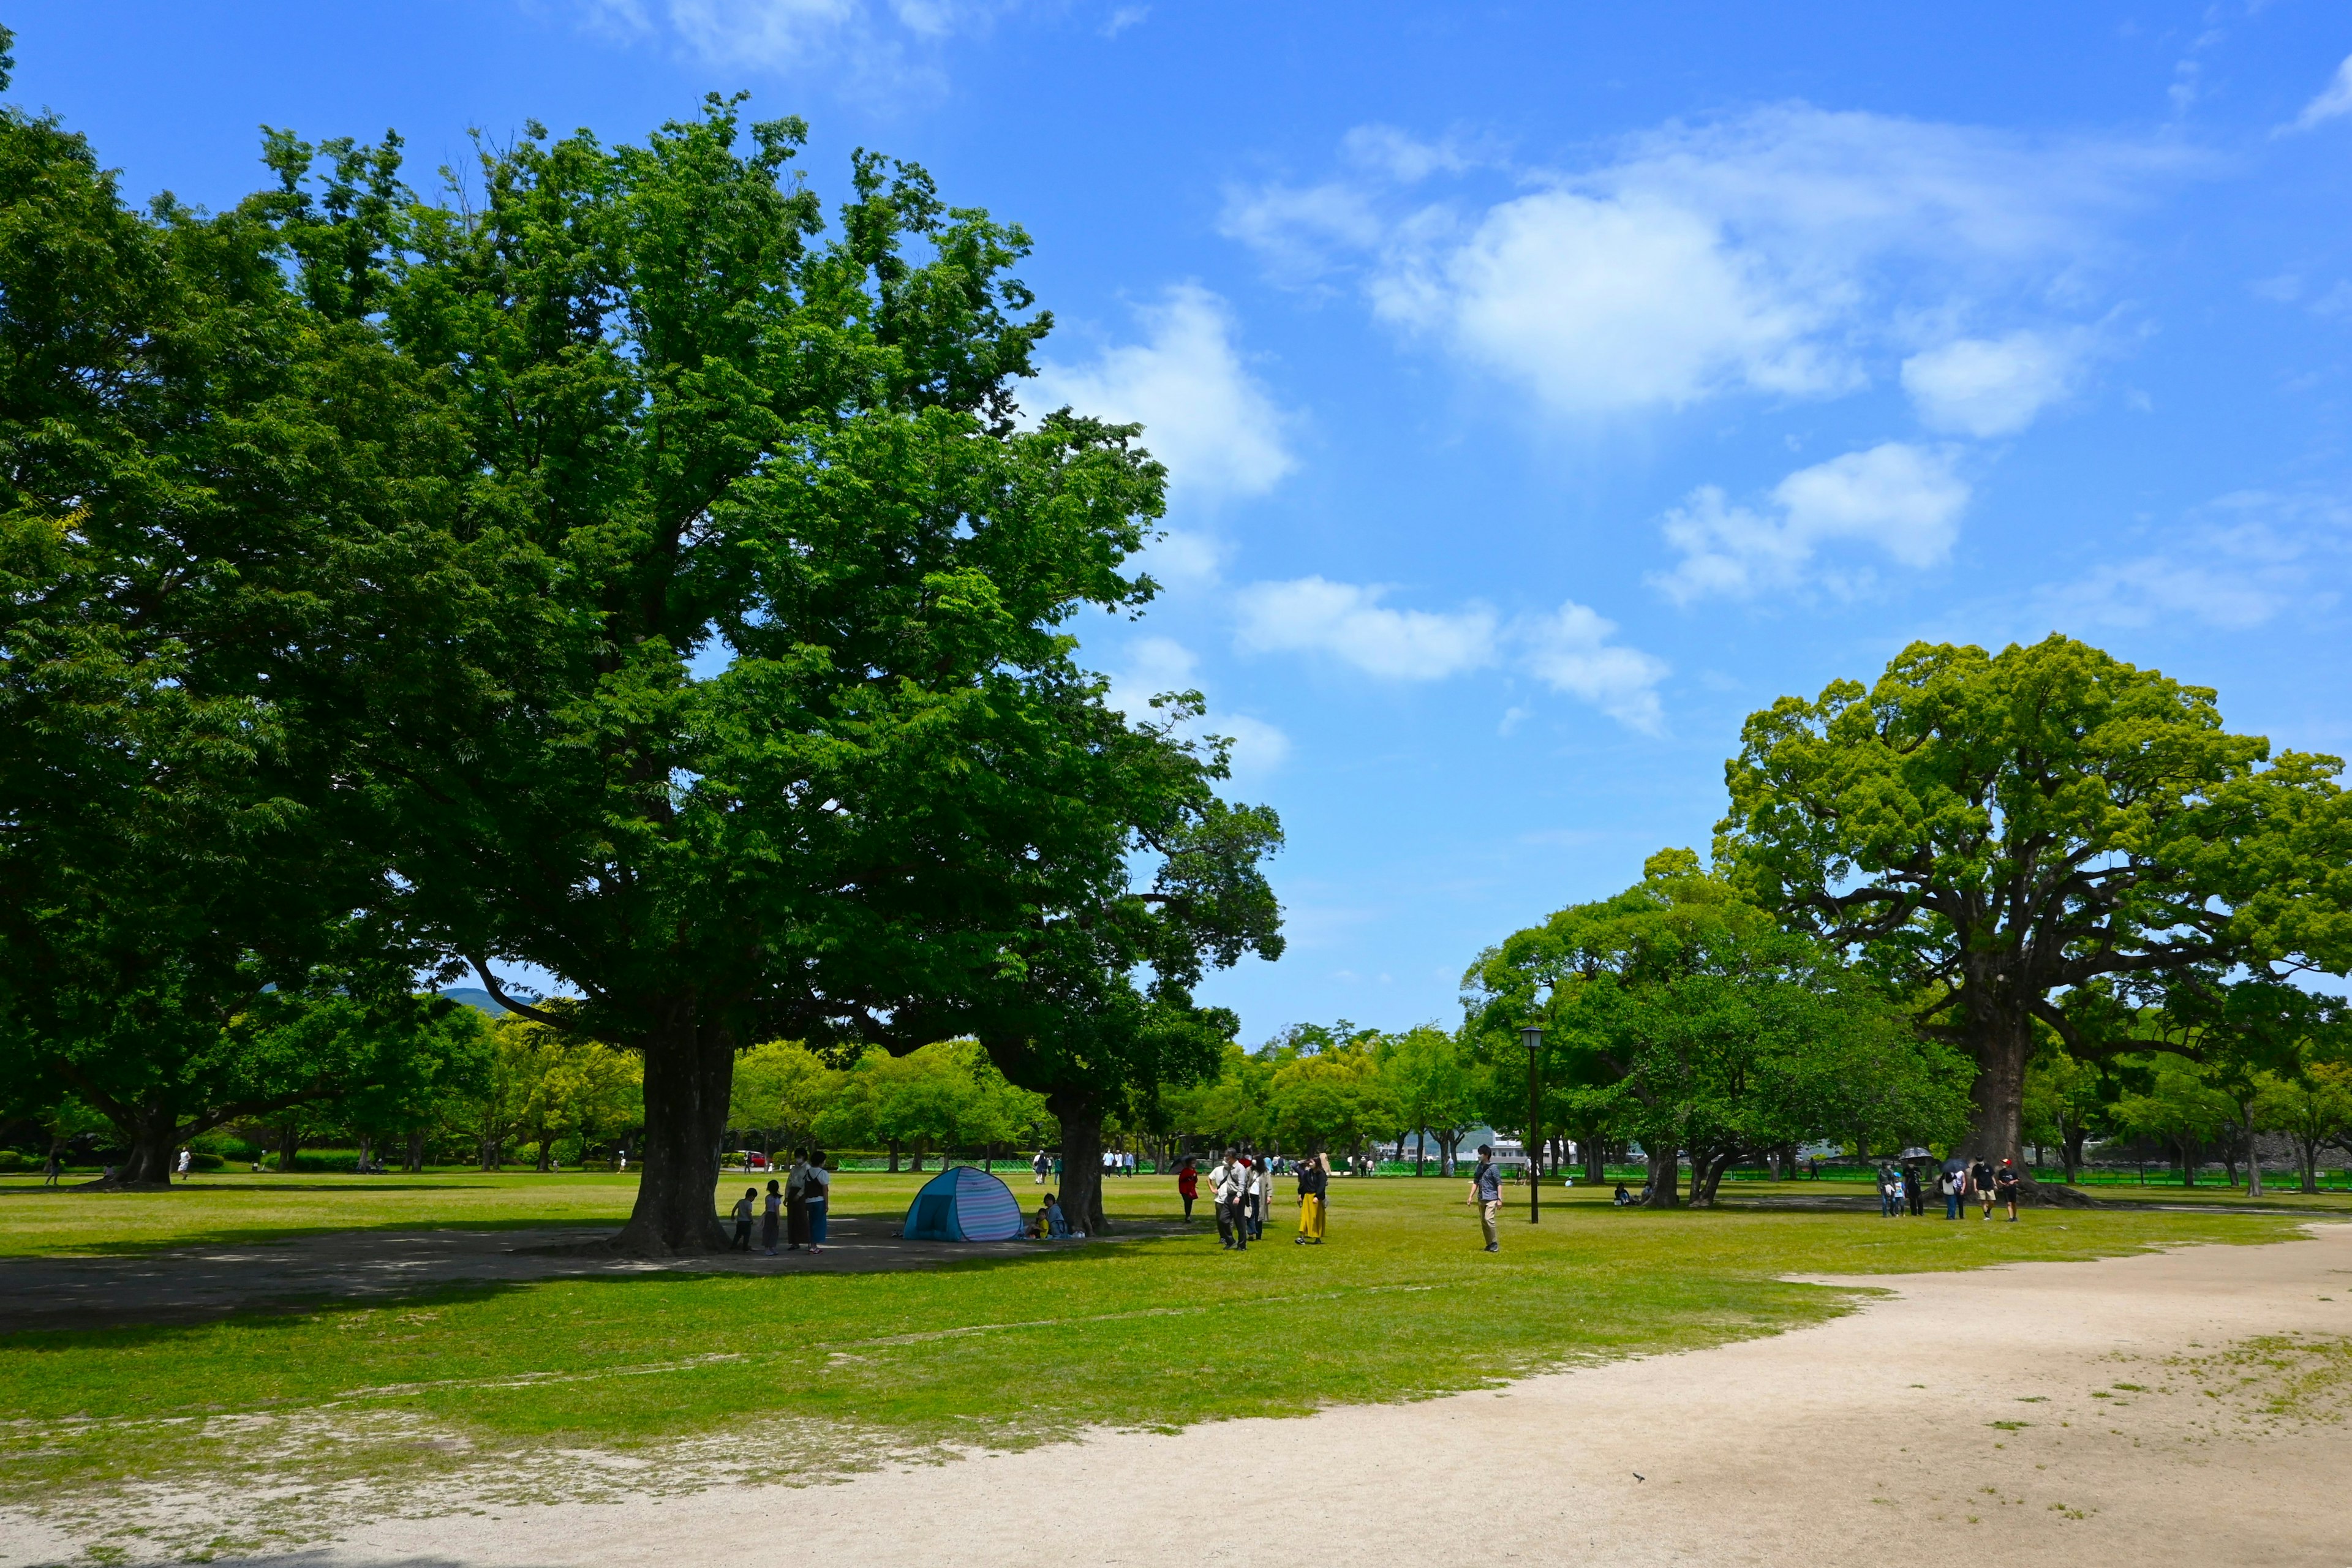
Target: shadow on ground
[(203, 1282)]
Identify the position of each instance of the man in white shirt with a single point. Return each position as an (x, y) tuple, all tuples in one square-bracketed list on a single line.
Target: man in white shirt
[(1232, 1178)]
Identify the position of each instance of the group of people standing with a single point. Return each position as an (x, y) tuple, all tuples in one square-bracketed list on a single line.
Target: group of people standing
[(1242, 1187), (794, 1210), (1902, 1191)]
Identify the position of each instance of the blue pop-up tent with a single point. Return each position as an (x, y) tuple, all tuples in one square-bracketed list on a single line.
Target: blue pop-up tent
[(963, 1203)]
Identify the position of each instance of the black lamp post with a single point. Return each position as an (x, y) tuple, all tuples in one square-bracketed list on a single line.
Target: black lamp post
[(1531, 1037)]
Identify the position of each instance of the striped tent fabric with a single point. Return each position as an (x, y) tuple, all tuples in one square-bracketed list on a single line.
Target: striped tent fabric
[(963, 1203)]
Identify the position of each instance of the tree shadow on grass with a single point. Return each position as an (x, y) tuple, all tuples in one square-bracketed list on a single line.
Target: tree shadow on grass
[(277, 1272)]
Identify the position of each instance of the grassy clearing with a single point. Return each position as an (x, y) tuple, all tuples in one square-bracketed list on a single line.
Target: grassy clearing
[(676, 1375), (235, 1210)]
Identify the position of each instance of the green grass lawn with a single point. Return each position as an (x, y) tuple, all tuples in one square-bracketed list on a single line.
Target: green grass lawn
[(1156, 1332)]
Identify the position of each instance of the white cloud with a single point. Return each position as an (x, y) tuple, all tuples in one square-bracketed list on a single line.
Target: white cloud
[(1905, 501), (1203, 414), (2240, 562), (1989, 387), (2334, 100), (1571, 652), (1770, 253), (1124, 17), (1348, 622), (1603, 304), (878, 41)]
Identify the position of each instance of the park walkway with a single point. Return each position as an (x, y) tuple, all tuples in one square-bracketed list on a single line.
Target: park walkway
[(2093, 1414)]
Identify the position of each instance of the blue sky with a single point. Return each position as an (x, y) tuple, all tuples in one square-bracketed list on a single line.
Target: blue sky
[(1546, 387)]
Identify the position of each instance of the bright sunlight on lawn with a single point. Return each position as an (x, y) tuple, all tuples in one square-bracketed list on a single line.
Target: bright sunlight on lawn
[(816, 1374)]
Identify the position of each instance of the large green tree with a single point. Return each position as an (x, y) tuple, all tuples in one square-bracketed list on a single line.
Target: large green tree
[(1682, 1015), (1997, 829), (745, 702), (188, 458)]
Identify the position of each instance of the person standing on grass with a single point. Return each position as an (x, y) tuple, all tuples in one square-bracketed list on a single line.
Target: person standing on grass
[(1917, 1190), (1218, 1174), (1233, 1203), (796, 1202), (55, 1168), (1261, 1196), (1042, 1165), (2005, 1183), (1486, 1196), (1980, 1182), (1188, 1187), (1312, 1191), (1950, 1184), (771, 1216), (817, 1198), (743, 1220)]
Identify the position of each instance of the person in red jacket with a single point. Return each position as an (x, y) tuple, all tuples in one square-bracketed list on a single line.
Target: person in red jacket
[(1188, 1186)]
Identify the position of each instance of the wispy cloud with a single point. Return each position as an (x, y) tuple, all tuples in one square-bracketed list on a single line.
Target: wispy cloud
[(864, 44), (1571, 650), (2334, 103), (1779, 252), (2235, 563), (1991, 386), (1903, 500), (1348, 622)]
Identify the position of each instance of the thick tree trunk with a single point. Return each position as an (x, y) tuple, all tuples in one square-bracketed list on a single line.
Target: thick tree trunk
[(151, 1140), (1596, 1159), (1665, 1177), (290, 1145), (689, 1067), (415, 1160), (1082, 1145), (2001, 1038)]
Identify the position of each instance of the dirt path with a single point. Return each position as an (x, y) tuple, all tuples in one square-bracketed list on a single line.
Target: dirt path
[(1960, 1418)]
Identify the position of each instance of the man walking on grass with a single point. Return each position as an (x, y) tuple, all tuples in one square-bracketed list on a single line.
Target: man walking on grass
[(2004, 1186), (1980, 1182), (1486, 1195)]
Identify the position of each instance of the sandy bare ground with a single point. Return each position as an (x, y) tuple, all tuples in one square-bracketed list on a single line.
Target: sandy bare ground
[(2135, 1425), (196, 1284), (1866, 1441)]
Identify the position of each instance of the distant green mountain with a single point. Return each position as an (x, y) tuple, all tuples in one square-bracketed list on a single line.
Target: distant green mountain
[(475, 997)]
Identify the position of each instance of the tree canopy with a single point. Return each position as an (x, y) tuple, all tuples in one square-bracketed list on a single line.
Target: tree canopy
[(1993, 831)]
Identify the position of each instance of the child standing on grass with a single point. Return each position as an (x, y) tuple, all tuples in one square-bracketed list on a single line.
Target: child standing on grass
[(743, 1220), (772, 1220), (1188, 1186)]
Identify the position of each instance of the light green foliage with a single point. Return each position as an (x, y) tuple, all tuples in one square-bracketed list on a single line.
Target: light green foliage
[(1432, 1079), (1337, 1097), (2180, 1106), (2312, 1106), (1994, 829), (946, 1096), (782, 1088), (546, 1084)]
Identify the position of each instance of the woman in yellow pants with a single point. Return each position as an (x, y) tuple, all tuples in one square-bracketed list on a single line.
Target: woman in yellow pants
[(1314, 1183)]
